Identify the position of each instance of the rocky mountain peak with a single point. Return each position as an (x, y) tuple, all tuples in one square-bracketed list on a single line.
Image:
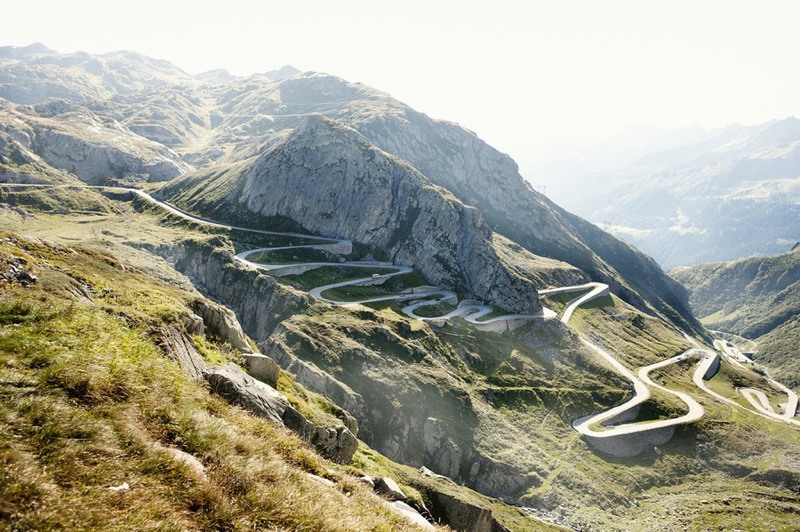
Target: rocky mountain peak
[(318, 130), (284, 72), (18, 52), (217, 76)]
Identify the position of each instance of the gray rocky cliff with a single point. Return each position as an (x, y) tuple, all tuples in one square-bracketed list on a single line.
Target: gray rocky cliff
[(72, 138), (222, 322), (258, 300), (481, 176), (332, 181)]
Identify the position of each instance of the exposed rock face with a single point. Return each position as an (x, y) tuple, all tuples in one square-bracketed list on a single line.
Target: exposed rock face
[(462, 515), (232, 383), (180, 348), (402, 412), (313, 378), (480, 176), (443, 453), (32, 74), (336, 443), (334, 182), (262, 368), (14, 270), (389, 488), (236, 386), (257, 299), (222, 322), (72, 138), (411, 514)]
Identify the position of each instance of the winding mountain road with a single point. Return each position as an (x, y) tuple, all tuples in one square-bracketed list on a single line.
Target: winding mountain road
[(471, 313), (614, 431)]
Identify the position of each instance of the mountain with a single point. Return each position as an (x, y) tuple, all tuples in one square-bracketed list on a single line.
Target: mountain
[(259, 111), (34, 73), (107, 331), (758, 299), (70, 137), (218, 124), (731, 195), (333, 181)]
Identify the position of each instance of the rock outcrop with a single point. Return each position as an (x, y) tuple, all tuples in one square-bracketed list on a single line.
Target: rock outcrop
[(180, 348), (332, 181), (232, 383), (35, 73), (222, 323), (258, 300), (482, 177), (72, 138), (236, 386), (388, 488), (262, 368), (336, 443)]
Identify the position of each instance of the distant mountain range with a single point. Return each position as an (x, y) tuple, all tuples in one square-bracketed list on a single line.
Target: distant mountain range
[(732, 194), (220, 124)]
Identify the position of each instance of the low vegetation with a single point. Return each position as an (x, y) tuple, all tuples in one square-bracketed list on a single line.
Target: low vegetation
[(524, 388), (88, 402), (756, 298)]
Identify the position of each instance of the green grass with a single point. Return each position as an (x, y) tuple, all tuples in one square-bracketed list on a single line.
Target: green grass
[(558, 302), (392, 286), (328, 275), (432, 311), (495, 313), (292, 256), (88, 401), (631, 336)]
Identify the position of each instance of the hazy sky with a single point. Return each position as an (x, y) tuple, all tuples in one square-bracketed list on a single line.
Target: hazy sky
[(524, 75)]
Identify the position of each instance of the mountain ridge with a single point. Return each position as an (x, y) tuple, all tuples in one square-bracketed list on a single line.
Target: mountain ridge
[(756, 298)]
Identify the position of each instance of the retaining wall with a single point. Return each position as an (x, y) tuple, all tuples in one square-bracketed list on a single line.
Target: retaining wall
[(627, 445)]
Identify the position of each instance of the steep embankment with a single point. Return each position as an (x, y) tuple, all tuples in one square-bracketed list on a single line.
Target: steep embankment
[(333, 182), (756, 298)]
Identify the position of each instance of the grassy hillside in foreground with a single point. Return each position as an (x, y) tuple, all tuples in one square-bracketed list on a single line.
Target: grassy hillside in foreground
[(89, 401), (730, 470), (757, 298)]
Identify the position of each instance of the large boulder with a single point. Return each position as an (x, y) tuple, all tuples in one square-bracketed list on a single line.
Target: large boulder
[(336, 443), (262, 367), (239, 388), (389, 488)]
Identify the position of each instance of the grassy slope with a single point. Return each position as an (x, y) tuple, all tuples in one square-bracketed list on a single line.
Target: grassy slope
[(526, 391), (538, 393), (718, 473), (89, 401), (757, 298), (128, 233)]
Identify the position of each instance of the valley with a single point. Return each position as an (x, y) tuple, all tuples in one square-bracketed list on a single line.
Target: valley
[(423, 315)]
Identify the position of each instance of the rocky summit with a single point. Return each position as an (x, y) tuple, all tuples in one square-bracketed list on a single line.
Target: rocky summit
[(289, 301)]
